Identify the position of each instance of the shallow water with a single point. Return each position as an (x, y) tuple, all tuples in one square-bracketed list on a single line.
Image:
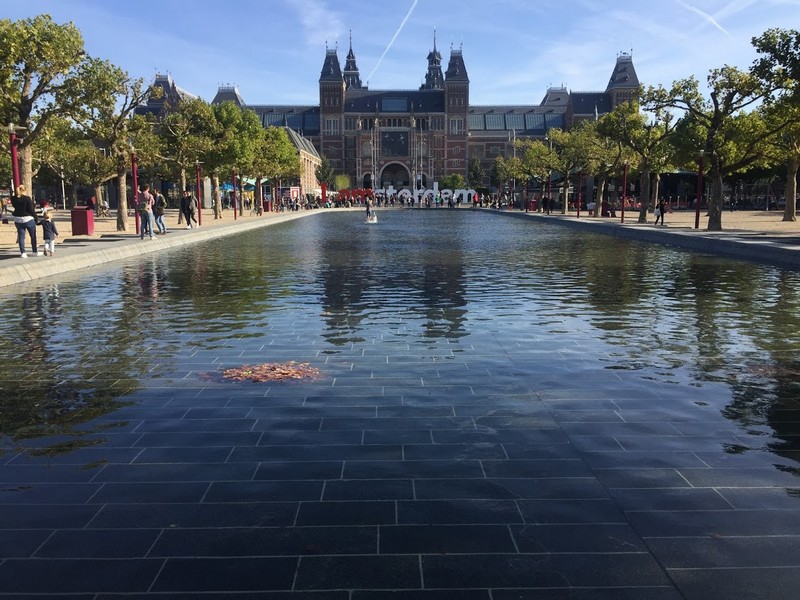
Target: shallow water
[(468, 298)]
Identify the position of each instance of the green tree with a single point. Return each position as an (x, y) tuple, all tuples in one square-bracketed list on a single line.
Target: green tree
[(186, 134), (275, 158), (731, 139), (43, 74), (342, 181), (325, 174), (454, 181), (475, 173), (571, 154)]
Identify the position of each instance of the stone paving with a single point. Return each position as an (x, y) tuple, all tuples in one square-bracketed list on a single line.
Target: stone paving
[(448, 479)]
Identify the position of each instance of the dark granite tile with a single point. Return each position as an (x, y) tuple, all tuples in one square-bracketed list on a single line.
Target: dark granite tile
[(595, 443), (394, 424), (20, 543), (741, 584), (199, 439), (421, 595), (445, 539), (446, 512), (672, 443), (267, 541), (612, 429), (222, 595), (226, 574), (452, 451), (615, 593), (726, 552), (99, 543), (216, 412), (534, 469), (762, 497), (297, 424), (551, 571), (369, 489), (573, 537), (81, 575), (587, 416), (264, 491), (177, 472), (641, 460), (170, 516), (411, 469), (669, 499), (184, 454), (47, 493), (540, 451), (317, 453), (543, 421), (196, 425), (571, 511), (346, 513), (641, 478), (46, 516), (436, 489), (142, 492), (358, 572), (16, 474), (682, 523), (415, 411), (385, 399), (741, 477), (516, 436), (401, 436), (78, 456), (310, 438), (299, 470)]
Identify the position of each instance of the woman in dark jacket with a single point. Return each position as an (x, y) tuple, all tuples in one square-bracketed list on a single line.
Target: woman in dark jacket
[(25, 220)]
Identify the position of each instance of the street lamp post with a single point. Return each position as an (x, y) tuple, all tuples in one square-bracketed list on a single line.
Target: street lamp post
[(579, 196), (13, 141), (63, 192), (624, 189), (700, 166), (135, 196), (199, 194)]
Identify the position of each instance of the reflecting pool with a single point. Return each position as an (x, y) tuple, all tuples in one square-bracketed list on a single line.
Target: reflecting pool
[(490, 375)]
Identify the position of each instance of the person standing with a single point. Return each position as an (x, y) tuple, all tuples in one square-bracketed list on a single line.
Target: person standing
[(145, 208), (25, 220), (659, 211), (159, 207), (50, 232)]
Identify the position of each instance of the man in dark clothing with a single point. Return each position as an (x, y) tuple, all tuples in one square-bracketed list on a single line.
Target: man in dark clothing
[(189, 208)]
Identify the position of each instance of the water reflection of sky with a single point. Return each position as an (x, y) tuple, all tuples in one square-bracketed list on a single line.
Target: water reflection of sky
[(491, 293)]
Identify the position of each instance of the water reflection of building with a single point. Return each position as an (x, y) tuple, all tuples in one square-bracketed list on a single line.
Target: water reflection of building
[(400, 136)]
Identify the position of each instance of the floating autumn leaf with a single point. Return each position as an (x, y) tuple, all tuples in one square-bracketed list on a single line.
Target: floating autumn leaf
[(272, 372)]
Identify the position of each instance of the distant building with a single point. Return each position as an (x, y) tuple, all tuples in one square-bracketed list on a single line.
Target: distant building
[(396, 137)]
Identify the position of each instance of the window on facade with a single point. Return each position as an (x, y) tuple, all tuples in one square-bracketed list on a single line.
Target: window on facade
[(312, 122), (494, 122), (350, 123), (534, 121), (295, 122), (393, 105), (456, 125), (437, 123), (476, 121), (515, 121), (272, 119), (553, 120), (331, 126)]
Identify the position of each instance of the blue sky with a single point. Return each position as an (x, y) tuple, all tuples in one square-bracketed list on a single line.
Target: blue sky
[(273, 50)]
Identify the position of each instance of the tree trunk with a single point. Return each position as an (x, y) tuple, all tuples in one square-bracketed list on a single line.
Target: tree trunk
[(644, 195), (715, 201), (25, 159), (215, 200), (601, 194), (98, 196), (122, 197), (791, 189), (565, 203)]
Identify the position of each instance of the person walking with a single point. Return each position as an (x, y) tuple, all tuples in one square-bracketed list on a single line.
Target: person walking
[(145, 208), (159, 207), (189, 208), (50, 233), (25, 220), (659, 212)]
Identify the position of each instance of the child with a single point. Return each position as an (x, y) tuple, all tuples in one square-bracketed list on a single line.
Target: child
[(50, 233)]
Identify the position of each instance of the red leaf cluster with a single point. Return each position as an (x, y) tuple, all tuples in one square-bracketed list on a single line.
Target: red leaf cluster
[(272, 372)]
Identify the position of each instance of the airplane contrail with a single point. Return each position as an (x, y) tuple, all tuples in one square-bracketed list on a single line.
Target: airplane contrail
[(394, 37), (706, 17)]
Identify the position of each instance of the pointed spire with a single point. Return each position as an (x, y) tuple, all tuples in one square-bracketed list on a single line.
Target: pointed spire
[(434, 80), (352, 78)]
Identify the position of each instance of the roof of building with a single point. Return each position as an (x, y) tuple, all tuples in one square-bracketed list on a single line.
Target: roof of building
[(228, 93), (301, 143), (388, 101), (331, 70), (624, 75), (456, 69), (590, 103)]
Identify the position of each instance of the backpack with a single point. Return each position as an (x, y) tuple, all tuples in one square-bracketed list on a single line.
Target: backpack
[(142, 205)]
